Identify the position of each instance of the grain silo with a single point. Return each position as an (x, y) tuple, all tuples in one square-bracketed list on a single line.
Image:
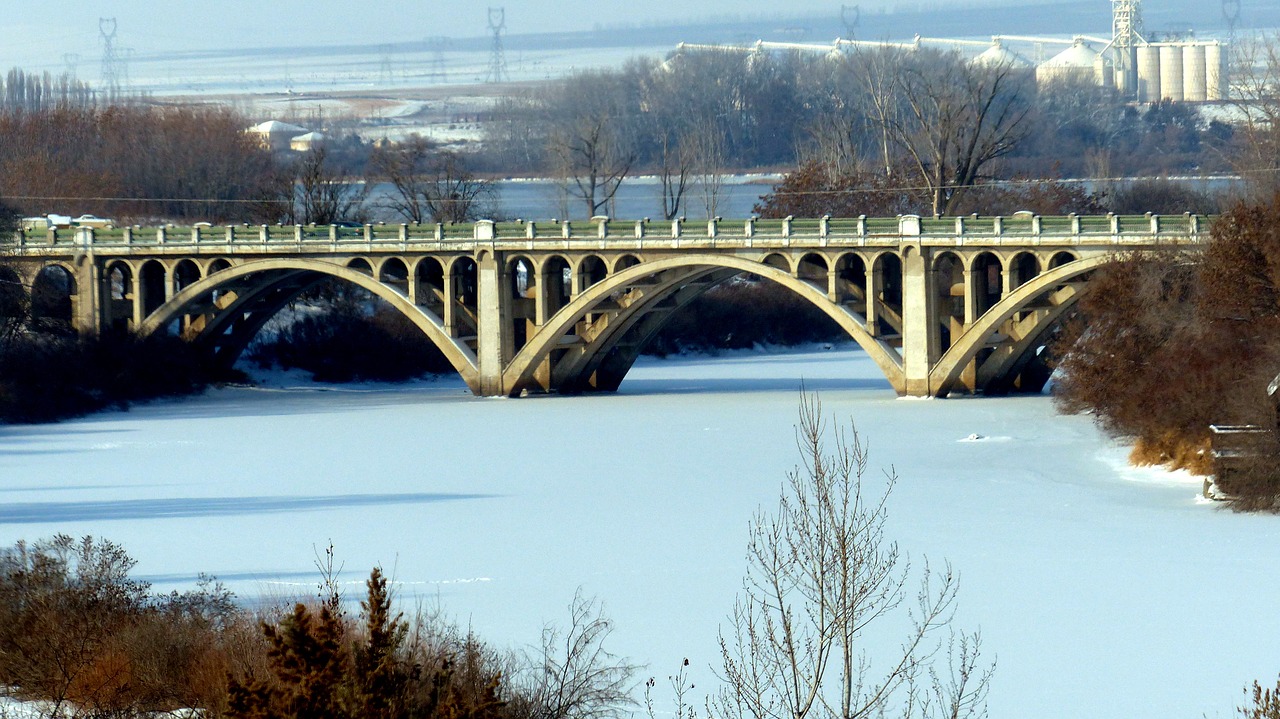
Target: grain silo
[(1148, 73), (1000, 56), (1171, 72), (1195, 87), (1075, 63), (1215, 76), (1104, 73)]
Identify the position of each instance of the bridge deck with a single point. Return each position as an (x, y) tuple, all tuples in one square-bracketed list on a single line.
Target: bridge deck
[(1103, 230)]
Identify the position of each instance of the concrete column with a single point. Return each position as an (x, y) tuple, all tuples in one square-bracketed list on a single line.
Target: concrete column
[(875, 285), (541, 298), (968, 377), (86, 311), (970, 299), (919, 322), (491, 335), (450, 318), (136, 299)]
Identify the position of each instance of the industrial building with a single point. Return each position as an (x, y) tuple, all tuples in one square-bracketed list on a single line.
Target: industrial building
[(1141, 68)]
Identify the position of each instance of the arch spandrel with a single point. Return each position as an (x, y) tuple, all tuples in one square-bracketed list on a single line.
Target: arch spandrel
[(457, 352), (518, 374), (945, 373)]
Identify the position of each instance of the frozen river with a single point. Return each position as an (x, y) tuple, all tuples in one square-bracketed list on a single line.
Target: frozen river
[(1104, 591)]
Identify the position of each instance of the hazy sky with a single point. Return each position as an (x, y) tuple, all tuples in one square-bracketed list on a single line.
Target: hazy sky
[(71, 26), (42, 34)]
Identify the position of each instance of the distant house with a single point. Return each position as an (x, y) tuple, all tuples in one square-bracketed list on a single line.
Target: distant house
[(276, 135), (305, 143)]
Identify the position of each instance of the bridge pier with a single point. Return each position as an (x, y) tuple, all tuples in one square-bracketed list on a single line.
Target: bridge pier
[(920, 331), (493, 334)]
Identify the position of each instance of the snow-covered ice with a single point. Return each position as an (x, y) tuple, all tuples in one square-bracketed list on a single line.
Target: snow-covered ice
[(1104, 590)]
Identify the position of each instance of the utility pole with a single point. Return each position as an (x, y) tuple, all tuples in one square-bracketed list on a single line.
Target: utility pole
[(497, 58)]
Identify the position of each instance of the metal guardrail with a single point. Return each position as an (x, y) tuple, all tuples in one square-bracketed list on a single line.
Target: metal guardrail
[(600, 232)]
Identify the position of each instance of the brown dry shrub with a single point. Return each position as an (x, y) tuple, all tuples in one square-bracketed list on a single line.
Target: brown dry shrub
[(1174, 342), (1174, 452)]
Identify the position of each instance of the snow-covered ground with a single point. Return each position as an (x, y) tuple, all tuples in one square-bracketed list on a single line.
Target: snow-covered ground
[(1105, 591)]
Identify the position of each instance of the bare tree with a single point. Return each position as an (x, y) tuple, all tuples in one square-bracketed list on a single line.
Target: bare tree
[(325, 195), (591, 141), (949, 118), (821, 573), (454, 193), (403, 165), (435, 186), (1256, 98), (574, 676), (673, 173), (703, 145)]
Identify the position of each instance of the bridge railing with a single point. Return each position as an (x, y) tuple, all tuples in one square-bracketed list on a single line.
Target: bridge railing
[(1020, 228)]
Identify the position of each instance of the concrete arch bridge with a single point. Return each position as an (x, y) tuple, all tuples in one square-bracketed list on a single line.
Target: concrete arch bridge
[(940, 304)]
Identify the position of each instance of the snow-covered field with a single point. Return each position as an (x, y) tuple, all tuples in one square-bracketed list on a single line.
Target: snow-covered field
[(1104, 591)]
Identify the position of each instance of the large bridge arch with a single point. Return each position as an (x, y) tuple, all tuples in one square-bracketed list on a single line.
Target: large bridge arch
[(266, 279), (519, 374), (1063, 295)]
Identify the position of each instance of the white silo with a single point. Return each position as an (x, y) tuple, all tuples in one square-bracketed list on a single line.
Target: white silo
[(1148, 73), (1104, 73), (1000, 56), (1195, 86), (1215, 56), (1171, 72), (1074, 63)]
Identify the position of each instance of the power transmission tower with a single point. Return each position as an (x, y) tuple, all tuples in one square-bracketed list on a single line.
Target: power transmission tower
[(439, 72), (385, 74), (497, 58), (70, 61), (111, 70), (1231, 13), (849, 15)]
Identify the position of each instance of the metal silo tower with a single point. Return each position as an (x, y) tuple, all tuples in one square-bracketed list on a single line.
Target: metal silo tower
[(1126, 35)]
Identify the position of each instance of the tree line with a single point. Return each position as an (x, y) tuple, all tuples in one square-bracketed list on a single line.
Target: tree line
[(919, 128)]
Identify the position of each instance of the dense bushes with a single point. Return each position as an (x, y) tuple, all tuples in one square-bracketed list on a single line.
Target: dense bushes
[(1173, 343), (81, 637), (135, 164), (77, 632), (348, 340), (46, 377)]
